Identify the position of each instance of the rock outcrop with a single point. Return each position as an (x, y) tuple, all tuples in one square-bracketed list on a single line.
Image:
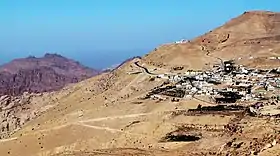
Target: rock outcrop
[(15, 112)]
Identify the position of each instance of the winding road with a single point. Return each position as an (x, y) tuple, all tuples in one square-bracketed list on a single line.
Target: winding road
[(193, 96), (144, 68), (85, 123)]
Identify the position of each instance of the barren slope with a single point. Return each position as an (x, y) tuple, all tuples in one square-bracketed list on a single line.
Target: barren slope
[(107, 114), (101, 113), (253, 34)]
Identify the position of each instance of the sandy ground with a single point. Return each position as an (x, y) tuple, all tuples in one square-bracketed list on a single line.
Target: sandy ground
[(105, 115)]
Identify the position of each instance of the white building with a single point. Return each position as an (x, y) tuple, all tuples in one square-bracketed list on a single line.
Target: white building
[(163, 76), (270, 88), (194, 89)]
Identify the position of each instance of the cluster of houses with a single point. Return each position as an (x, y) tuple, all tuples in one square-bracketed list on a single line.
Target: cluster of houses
[(226, 83), (274, 58)]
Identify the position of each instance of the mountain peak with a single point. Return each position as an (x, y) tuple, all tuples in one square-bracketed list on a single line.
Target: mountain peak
[(252, 34), (31, 57), (257, 22), (259, 12), (48, 73), (53, 55)]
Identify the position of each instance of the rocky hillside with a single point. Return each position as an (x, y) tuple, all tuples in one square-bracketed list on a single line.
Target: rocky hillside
[(115, 114), (49, 73), (251, 35)]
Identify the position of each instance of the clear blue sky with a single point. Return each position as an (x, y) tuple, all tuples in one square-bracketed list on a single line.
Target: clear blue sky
[(103, 32)]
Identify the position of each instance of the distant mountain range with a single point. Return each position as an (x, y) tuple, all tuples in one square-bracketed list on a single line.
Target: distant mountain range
[(48, 73)]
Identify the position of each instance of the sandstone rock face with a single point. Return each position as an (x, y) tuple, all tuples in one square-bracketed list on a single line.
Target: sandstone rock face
[(15, 111), (36, 75)]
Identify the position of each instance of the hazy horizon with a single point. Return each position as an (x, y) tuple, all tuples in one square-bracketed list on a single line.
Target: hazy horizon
[(93, 62), (102, 33)]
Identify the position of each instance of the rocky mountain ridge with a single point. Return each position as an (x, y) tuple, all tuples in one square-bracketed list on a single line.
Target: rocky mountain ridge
[(36, 75)]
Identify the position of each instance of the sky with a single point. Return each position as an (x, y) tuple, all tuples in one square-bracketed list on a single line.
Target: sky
[(100, 33)]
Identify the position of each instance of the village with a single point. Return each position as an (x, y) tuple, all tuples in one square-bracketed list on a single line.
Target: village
[(224, 84)]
